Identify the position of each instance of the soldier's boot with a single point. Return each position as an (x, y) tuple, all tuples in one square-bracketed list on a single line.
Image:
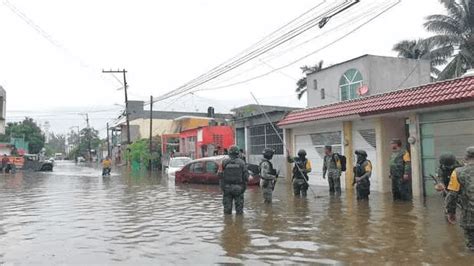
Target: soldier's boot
[(239, 204), (227, 202), (267, 195), (405, 192), (331, 185), (296, 188), (304, 192), (337, 185)]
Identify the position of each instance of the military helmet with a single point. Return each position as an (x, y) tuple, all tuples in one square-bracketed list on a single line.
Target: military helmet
[(302, 153), (234, 150), (470, 153), (447, 159), (268, 153), (361, 153)]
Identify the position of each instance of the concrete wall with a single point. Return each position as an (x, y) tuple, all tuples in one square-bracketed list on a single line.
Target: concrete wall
[(380, 74), (387, 128), (160, 127)]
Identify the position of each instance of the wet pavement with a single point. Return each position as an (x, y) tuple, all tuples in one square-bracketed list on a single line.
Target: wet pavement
[(74, 216)]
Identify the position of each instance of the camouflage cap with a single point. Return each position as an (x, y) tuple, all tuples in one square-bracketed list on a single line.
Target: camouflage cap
[(470, 153)]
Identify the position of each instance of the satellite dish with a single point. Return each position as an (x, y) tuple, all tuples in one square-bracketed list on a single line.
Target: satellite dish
[(363, 90)]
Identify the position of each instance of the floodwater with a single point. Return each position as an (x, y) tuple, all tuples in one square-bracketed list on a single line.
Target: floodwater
[(74, 216)]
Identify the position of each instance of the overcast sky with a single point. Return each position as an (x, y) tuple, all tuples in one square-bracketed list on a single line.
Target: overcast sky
[(164, 44)]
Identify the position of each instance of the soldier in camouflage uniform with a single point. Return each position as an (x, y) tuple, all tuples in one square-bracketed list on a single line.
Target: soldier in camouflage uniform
[(234, 178), (400, 171), (362, 173), (332, 166), (447, 164), (268, 175), (301, 169), (461, 186)]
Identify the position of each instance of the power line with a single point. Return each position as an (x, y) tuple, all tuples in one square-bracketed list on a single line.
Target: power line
[(263, 60), (305, 56), (259, 51)]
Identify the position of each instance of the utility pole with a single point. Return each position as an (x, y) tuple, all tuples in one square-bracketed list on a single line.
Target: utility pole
[(108, 141), (89, 137), (151, 128), (124, 72)]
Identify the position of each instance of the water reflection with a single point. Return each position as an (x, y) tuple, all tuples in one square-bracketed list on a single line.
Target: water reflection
[(73, 215), (235, 237)]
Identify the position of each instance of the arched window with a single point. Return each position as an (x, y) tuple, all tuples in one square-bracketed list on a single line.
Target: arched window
[(350, 81)]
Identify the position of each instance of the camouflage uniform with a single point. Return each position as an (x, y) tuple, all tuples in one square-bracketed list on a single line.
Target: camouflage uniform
[(268, 179), (300, 179), (461, 186), (234, 190), (332, 166), (400, 165), (447, 164), (362, 173)]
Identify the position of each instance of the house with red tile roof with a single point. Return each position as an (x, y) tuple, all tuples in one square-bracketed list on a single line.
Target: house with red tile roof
[(430, 118)]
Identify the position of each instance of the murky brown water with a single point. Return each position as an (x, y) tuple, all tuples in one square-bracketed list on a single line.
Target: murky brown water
[(74, 216)]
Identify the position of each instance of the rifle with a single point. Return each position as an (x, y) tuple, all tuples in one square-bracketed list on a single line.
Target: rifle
[(445, 190), (277, 173)]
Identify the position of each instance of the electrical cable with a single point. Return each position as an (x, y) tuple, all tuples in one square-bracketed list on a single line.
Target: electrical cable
[(305, 56), (282, 39)]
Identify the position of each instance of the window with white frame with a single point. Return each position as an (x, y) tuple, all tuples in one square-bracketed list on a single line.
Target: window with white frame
[(264, 136), (350, 81)]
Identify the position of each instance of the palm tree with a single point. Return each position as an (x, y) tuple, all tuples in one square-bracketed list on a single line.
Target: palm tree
[(423, 49), (301, 84), (454, 33)]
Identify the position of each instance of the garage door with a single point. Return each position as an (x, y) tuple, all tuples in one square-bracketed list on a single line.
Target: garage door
[(314, 145), (449, 131)]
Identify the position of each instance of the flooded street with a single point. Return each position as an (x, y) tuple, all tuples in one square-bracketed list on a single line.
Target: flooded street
[(75, 216)]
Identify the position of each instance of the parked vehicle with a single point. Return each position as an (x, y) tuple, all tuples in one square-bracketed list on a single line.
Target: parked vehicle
[(32, 162), (205, 171), (176, 164)]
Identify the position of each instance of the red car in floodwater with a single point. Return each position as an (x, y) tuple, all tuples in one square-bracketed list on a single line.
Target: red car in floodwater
[(205, 171)]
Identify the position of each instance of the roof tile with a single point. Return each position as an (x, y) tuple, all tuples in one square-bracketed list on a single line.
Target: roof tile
[(444, 92)]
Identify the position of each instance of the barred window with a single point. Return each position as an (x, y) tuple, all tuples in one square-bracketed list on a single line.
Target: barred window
[(263, 136)]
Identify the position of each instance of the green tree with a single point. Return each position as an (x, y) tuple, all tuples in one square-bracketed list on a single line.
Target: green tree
[(454, 33), (302, 84), (424, 49), (27, 129), (89, 140), (56, 144), (139, 151)]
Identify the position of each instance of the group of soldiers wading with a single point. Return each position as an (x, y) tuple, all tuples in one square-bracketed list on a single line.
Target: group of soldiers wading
[(456, 180)]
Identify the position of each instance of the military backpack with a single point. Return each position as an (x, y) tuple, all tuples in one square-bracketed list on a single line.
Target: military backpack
[(233, 172)]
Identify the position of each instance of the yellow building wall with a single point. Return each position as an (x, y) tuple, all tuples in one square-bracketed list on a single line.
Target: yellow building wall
[(349, 153), (159, 126)]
